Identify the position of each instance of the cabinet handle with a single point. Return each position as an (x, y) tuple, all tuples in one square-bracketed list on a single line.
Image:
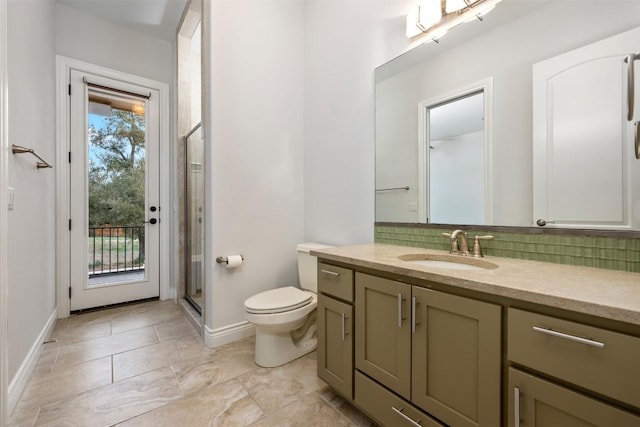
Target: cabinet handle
[(516, 407), (344, 328), (413, 314), (400, 310), (330, 273), (556, 334), (399, 412)]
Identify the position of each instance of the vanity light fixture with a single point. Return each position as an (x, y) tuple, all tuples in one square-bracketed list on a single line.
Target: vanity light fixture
[(427, 18), (425, 15), (452, 6)]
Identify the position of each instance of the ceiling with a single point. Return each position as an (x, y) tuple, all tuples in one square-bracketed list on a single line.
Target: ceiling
[(158, 18)]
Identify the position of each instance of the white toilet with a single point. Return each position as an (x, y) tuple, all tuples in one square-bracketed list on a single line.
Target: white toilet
[(285, 318)]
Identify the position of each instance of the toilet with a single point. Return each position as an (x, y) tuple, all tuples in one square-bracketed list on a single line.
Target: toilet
[(285, 318)]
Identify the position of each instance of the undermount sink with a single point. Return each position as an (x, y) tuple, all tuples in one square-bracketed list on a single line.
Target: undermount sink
[(450, 262)]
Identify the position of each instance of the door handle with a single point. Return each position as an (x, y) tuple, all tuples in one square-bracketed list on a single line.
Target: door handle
[(629, 59), (151, 221)]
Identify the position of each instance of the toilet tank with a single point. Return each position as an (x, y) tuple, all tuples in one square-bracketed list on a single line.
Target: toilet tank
[(308, 265)]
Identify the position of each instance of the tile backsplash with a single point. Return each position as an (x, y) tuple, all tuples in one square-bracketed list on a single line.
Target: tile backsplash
[(611, 253)]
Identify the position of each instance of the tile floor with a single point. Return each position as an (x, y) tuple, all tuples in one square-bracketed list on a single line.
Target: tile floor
[(144, 365)]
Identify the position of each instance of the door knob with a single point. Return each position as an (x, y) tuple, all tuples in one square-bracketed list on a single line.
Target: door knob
[(152, 208), (151, 221)]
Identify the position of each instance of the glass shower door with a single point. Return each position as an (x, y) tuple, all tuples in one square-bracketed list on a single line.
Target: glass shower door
[(194, 214)]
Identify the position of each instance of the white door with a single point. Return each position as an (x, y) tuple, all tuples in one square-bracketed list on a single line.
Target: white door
[(585, 173), (114, 191)]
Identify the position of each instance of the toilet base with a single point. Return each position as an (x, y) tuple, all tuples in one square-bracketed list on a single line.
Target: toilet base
[(276, 347)]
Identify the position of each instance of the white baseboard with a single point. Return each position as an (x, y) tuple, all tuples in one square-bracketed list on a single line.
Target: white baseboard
[(19, 381), (227, 334)]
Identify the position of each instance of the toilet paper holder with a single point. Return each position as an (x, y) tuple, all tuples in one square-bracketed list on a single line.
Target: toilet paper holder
[(225, 260)]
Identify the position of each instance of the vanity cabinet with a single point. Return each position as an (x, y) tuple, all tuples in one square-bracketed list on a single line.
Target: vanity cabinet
[(441, 352), (335, 328), (436, 349)]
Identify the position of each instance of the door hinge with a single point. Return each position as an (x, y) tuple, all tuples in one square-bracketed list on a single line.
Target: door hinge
[(69, 292), (69, 223), (69, 156), (69, 89)]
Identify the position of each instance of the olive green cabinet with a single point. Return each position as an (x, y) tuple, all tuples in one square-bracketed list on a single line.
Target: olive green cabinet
[(440, 352), (456, 363), (594, 359), (534, 402), (335, 349), (335, 327), (383, 334)]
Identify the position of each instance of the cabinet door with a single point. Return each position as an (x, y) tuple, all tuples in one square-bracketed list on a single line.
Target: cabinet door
[(335, 344), (383, 336), (456, 358), (534, 402)]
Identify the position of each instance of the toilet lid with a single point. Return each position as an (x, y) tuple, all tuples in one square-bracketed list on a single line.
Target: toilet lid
[(277, 300)]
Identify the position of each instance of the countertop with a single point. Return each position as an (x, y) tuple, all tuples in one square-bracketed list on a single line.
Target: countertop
[(609, 294)]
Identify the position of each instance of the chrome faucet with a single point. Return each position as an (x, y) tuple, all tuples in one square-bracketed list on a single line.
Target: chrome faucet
[(462, 247)]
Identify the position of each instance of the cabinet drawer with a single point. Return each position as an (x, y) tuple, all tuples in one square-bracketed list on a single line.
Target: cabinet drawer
[(335, 281), (386, 408), (596, 359)]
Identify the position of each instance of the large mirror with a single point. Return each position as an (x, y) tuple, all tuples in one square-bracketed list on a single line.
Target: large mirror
[(411, 177)]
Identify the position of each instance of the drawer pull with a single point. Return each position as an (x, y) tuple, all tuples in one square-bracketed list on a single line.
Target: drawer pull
[(330, 273), (516, 407), (399, 412), (553, 333)]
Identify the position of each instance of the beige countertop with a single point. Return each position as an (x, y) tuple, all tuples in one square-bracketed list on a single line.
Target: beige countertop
[(604, 293)]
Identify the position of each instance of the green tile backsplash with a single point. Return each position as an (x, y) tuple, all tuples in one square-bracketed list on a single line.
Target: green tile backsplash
[(611, 253)]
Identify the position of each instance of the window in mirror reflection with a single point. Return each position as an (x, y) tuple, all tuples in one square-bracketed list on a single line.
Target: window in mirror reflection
[(455, 160)]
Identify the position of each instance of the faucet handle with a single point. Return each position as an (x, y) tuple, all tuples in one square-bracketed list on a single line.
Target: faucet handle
[(477, 250), (446, 235)]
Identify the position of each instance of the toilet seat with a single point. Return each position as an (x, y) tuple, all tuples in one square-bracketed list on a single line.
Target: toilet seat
[(277, 300)]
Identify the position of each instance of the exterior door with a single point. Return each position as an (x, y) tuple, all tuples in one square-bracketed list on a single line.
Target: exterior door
[(114, 188)]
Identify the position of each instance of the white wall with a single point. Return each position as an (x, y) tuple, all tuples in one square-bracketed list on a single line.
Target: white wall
[(344, 42), (254, 149), (87, 38), (90, 39), (31, 227)]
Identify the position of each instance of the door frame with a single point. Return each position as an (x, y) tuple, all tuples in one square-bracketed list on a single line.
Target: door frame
[(4, 182), (63, 67)]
